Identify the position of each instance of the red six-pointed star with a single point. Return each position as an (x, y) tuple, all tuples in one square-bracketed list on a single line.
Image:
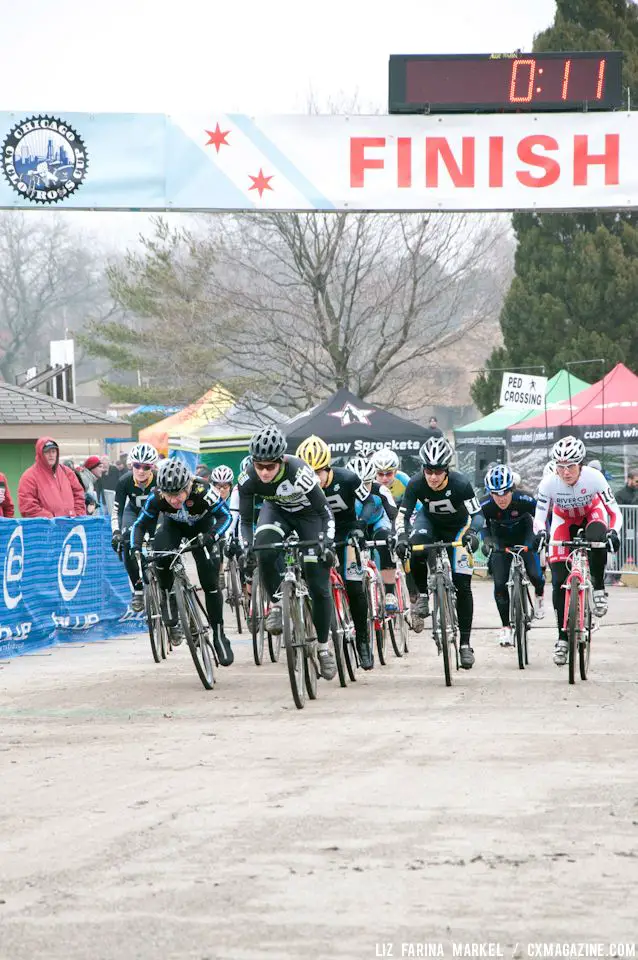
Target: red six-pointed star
[(217, 138), (260, 182)]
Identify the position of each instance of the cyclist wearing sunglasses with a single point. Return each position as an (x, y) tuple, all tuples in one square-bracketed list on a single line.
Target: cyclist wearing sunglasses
[(449, 502), (386, 463), (293, 501), (131, 493)]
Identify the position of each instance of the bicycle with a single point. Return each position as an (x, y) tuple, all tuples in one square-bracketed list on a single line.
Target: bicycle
[(342, 627), (299, 633), (521, 606), (234, 592), (445, 627), (191, 613), (375, 595), (579, 612), (158, 633)]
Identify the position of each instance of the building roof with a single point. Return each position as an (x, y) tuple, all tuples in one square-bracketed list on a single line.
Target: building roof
[(18, 405)]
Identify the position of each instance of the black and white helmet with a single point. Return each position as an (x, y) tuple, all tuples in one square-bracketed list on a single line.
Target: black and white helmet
[(142, 453), (172, 476), (222, 474), (569, 450), (267, 445), (436, 452), (364, 469)]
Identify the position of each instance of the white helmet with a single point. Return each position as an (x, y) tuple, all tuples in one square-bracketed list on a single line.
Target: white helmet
[(516, 477), (385, 459), (142, 453), (569, 450), (222, 474), (549, 468), (364, 469), (436, 452)]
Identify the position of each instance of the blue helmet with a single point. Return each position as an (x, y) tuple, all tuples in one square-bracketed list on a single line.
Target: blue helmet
[(499, 479)]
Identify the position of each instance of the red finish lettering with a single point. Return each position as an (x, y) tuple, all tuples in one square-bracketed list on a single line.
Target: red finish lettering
[(461, 176), (496, 162), (527, 155), (404, 161), (583, 159), (358, 160)]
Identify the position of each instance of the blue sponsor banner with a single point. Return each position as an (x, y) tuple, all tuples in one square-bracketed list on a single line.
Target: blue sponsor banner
[(61, 581)]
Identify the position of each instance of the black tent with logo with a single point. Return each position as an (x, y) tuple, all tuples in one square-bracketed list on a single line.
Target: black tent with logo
[(351, 426)]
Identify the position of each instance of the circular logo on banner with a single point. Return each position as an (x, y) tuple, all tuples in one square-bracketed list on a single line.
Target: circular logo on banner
[(72, 563), (13, 569), (44, 159)]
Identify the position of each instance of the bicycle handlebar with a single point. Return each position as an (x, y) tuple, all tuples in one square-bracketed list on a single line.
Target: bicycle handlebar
[(579, 544), (289, 542), (517, 548), (419, 547)]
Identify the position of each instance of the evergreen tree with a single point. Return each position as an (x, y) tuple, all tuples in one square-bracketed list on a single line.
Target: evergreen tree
[(575, 291)]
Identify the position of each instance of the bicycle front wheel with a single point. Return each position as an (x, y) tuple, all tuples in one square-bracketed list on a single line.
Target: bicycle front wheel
[(445, 626), (154, 619), (197, 635), (257, 627), (584, 647), (311, 669), (518, 619), (336, 631), (380, 623), (235, 591), (294, 642), (573, 628)]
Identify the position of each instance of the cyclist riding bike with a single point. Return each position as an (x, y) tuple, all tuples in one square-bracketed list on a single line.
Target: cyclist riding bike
[(344, 492), (386, 463), (449, 503), (578, 496), (133, 490), (293, 501), (377, 515), (509, 520), (187, 507)]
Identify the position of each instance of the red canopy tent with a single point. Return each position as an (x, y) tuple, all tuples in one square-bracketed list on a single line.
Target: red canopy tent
[(606, 412)]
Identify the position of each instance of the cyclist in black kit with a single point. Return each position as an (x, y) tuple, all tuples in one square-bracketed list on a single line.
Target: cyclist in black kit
[(449, 503), (188, 506), (133, 490), (293, 500)]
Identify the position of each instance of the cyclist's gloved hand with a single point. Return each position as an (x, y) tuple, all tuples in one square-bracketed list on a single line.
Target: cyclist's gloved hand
[(488, 548), (539, 541), (116, 541), (613, 541), (232, 548), (402, 547), (470, 540), (358, 534), (328, 554)]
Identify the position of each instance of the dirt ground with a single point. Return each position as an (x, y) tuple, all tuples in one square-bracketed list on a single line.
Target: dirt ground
[(142, 817)]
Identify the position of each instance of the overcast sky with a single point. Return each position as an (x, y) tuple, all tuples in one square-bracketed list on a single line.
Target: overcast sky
[(250, 56)]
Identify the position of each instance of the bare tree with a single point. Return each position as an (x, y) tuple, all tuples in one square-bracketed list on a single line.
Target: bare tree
[(350, 300), (49, 280)]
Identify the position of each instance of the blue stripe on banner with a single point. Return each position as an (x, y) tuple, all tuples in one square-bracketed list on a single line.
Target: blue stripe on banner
[(287, 167)]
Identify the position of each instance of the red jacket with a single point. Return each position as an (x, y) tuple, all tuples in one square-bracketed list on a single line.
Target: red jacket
[(6, 505), (45, 491)]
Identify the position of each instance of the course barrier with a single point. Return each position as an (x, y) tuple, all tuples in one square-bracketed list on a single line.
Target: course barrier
[(61, 582)]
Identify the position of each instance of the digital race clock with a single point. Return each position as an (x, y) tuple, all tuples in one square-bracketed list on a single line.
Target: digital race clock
[(444, 83)]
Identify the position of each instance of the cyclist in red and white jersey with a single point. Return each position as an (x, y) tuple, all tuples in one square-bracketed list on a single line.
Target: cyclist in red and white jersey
[(578, 496)]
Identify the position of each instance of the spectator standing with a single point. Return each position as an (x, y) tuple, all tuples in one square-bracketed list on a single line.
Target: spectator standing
[(434, 429), (7, 508), (48, 488), (90, 476), (113, 473), (628, 495)]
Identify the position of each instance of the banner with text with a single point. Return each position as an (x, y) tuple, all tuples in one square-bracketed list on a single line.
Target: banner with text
[(520, 391), (217, 161), (61, 581)]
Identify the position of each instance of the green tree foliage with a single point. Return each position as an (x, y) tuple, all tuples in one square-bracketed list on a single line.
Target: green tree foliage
[(574, 295)]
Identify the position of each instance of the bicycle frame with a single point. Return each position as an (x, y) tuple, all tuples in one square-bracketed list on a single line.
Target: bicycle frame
[(578, 571)]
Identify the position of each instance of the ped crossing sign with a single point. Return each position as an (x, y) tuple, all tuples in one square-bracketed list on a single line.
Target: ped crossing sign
[(521, 391)]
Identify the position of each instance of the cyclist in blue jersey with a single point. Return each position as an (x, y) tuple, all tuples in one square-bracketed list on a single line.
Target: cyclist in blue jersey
[(378, 514), (386, 463)]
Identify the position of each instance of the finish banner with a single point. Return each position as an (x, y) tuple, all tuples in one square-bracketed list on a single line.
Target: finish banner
[(215, 162), (61, 581)]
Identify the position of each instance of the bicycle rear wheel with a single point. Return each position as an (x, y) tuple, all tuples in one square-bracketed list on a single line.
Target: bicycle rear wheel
[(294, 642), (380, 631), (573, 628), (154, 619), (196, 633), (445, 626), (584, 647), (336, 631), (311, 668), (257, 626)]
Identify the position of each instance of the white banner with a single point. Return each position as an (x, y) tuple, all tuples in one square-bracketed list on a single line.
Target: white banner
[(217, 161), (521, 391)]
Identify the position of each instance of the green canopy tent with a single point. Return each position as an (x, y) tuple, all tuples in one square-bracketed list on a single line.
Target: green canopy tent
[(480, 443)]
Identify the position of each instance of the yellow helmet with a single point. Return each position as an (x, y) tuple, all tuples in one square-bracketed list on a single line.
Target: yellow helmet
[(315, 452)]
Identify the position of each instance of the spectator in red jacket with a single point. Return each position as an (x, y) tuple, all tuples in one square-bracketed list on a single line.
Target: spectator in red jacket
[(6, 503), (48, 488)]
